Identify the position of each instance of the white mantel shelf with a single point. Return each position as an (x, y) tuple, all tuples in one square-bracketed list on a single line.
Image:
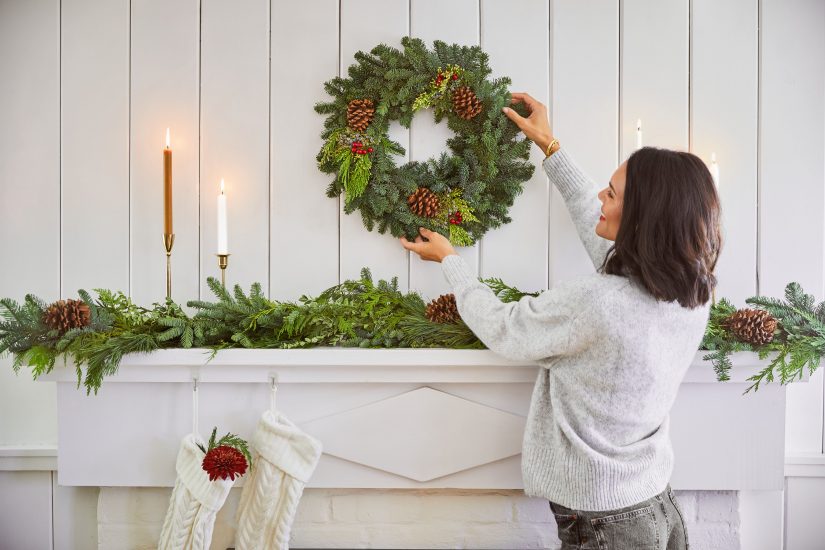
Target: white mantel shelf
[(355, 365), (389, 418)]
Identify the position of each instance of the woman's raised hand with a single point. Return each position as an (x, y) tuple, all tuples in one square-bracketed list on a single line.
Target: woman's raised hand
[(536, 126), (434, 249)]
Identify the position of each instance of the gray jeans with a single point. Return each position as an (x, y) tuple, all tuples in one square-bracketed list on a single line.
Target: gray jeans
[(654, 524)]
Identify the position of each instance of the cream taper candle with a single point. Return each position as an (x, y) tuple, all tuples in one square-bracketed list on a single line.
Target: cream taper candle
[(167, 187)]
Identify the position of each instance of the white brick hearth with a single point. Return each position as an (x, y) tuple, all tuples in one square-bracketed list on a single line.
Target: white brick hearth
[(443, 518)]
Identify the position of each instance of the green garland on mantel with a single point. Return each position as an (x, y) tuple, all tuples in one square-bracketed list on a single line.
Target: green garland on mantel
[(356, 313)]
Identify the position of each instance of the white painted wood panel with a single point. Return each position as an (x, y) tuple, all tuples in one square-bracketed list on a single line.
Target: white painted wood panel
[(724, 73), (74, 521), (451, 22), (234, 138), (95, 145), (760, 514), (363, 26), (792, 178), (304, 221), (654, 73), (29, 195), (584, 113), (164, 93), (26, 510), (518, 42), (803, 513)]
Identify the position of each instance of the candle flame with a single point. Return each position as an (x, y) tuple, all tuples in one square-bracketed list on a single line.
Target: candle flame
[(221, 186), (713, 158), (167, 138), (639, 124)]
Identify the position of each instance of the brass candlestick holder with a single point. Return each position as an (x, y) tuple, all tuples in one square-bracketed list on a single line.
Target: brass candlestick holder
[(223, 261), (168, 241)]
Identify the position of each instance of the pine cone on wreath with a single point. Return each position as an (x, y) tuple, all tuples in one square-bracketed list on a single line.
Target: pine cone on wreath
[(443, 309), (359, 114), (424, 202), (64, 315), (754, 326), (466, 103)]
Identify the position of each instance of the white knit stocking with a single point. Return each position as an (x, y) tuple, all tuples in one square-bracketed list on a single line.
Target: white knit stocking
[(284, 458), (195, 501)]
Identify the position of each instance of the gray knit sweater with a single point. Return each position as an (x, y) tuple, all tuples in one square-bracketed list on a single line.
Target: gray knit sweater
[(612, 359)]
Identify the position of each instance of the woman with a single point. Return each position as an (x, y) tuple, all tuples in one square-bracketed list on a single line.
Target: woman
[(614, 345)]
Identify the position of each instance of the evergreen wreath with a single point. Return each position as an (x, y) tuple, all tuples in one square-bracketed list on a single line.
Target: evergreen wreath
[(460, 195)]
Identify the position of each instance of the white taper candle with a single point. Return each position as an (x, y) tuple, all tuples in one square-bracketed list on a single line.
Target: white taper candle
[(222, 236)]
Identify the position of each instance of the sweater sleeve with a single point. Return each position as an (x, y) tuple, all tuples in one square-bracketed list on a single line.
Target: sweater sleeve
[(581, 196), (530, 329)]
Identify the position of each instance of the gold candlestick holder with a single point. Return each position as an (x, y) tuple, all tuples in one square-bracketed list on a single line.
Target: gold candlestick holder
[(223, 261), (168, 241)]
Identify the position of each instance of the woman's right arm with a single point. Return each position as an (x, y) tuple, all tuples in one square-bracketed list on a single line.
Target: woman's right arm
[(581, 197), (579, 192)]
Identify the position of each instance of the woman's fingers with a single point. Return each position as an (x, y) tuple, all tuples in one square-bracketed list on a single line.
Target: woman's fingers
[(531, 102), (515, 117)]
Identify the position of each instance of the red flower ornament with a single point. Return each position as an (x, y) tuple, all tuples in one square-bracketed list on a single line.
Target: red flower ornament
[(224, 461)]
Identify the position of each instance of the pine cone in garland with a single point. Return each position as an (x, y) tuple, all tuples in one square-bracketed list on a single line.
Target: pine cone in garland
[(443, 309), (64, 315), (754, 326), (424, 202), (359, 114), (466, 103)]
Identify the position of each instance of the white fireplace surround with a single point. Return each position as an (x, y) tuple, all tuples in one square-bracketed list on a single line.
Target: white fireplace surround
[(448, 422), (389, 418)]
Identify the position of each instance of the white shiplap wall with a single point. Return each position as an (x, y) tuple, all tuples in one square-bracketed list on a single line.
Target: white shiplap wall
[(87, 88)]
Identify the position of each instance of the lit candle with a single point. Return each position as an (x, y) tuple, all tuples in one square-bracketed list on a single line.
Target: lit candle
[(167, 187), (714, 169), (222, 237), (638, 133)]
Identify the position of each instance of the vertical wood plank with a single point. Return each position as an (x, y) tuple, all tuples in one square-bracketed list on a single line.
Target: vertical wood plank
[(452, 22), (235, 139), (164, 93), (584, 114), (363, 26), (304, 221), (95, 145), (518, 44), (29, 195), (792, 179), (654, 73), (724, 91), (74, 516), (26, 509)]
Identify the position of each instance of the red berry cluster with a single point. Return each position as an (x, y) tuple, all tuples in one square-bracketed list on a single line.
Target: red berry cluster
[(358, 148), (441, 77), (456, 217)]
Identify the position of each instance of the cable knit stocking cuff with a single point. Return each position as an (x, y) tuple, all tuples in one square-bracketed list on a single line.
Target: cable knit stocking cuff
[(189, 467), (279, 441)]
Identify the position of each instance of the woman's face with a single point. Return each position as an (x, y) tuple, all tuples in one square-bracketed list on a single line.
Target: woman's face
[(611, 197)]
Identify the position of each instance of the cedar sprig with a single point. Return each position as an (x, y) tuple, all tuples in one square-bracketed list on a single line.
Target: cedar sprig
[(505, 292)]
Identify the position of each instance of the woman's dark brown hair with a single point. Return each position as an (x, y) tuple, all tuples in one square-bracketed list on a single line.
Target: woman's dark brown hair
[(669, 236)]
